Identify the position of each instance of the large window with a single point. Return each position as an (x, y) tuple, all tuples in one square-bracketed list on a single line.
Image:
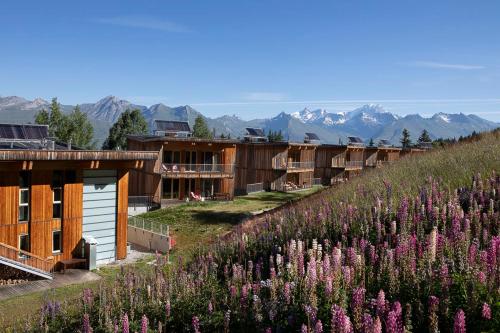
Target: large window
[(56, 241), (24, 197), (57, 194)]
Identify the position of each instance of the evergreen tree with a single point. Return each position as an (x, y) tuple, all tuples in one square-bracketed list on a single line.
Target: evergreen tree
[(42, 117), (371, 143), (279, 136), (79, 131), (405, 138), (200, 129), (58, 125), (424, 137), (129, 122)]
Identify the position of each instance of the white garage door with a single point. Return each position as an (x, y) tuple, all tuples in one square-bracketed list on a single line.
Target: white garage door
[(99, 211)]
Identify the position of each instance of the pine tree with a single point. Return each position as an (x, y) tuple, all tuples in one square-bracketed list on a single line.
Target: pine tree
[(58, 125), (405, 138), (79, 131), (371, 143), (424, 137), (129, 122), (279, 136), (42, 117), (200, 129)]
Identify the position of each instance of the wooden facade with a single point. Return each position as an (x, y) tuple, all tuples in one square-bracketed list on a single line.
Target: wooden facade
[(36, 200), (336, 163), (183, 166), (278, 166)]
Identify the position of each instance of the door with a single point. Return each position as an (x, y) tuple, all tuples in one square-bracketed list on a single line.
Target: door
[(99, 212)]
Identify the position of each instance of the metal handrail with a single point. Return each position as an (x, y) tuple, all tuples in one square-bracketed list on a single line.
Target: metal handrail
[(186, 167), (354, 164), (300, 165), (149, 225)]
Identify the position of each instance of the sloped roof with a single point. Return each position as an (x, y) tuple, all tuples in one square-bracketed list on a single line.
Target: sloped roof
[(23, 132), (174, 126)]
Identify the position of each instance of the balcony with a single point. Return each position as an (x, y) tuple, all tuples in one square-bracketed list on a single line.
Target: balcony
[(176, 170), (348, 165), (292, 166)]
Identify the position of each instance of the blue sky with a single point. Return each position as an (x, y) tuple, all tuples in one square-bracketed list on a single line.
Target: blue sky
[(257, 58)]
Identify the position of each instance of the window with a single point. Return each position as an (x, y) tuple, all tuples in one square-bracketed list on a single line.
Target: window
[(56, 241), (24, 244), (57, 194), (24, 197)]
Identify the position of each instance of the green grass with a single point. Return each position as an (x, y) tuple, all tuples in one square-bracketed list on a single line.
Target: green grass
[(198, 224)]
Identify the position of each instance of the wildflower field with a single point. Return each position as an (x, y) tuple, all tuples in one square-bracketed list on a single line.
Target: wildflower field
[(413, 247)]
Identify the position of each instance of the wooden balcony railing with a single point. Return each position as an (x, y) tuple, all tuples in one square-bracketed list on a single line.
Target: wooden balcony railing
[(175, 168), (354, 164), (282, 164), (25, 258)]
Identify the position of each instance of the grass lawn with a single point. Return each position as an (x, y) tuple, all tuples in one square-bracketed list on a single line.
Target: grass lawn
[(197, 224)]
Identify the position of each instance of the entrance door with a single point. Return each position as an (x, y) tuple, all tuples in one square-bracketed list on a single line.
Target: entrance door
[(99, 211)]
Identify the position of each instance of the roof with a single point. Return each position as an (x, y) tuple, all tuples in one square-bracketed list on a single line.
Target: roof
[(172, 126), (312, 136), (152, 138), (72, 155), (355, 140), (255, 132), (24, 132)]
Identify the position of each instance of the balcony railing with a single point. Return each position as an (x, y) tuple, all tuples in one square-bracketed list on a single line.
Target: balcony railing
[(354, 164), (282, 164), (338, 163), (25, 258), (176, 168)]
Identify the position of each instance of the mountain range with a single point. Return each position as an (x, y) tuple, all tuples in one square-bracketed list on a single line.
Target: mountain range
[(370, 121)]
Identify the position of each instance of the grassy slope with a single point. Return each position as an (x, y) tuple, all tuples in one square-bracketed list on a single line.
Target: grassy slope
[(197, 224)]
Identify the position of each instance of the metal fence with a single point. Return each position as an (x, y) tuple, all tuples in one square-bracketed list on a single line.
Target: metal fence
[(257, 187), (139, 201), (149, 225)]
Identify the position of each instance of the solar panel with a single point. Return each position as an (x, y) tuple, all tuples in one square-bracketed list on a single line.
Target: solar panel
[(355, 139), (168, 125), (255, 131), (20, 132), (312, 136), (384, 143)]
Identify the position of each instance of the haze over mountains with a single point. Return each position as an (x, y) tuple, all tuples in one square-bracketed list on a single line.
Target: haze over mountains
[(368, 121)]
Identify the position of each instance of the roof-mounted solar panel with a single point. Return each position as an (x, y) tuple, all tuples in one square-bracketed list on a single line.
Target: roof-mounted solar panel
[(312, 136), (355, 139), (255, 132)]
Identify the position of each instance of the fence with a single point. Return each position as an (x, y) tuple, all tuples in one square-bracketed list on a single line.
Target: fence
[(193, 168), (140, 201), (25, 258), (354, 164), (257, 187), (301, 165), (317, 181), (149, 225)]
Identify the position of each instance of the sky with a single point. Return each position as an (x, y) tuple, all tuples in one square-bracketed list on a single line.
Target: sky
[(255, 58)]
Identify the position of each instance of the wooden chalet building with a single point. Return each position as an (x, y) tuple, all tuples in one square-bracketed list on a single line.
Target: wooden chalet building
[(381, 155), (273, 166), (337, 163), (185, 167), (53, 195)]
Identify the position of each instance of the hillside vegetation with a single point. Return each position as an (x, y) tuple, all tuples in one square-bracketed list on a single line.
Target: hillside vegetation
[(408, 248)]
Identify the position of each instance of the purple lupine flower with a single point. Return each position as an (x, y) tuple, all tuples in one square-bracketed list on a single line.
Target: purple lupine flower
[(144, 324), (303, 329), (210, 307), (367, 323), (268, 330), (116, 328), (87, 297), (486, 311), (196, 324), (227, 319), (86, 324), (125, 324), (391, 325), (381, 303), (287, 292), (459, 324), (318, 328), (377, 326), (167, 309)]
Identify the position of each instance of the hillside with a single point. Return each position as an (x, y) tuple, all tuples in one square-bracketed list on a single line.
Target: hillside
[(368, 121), (410, 247)]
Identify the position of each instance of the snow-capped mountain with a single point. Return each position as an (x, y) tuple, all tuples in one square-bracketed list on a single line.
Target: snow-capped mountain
[(368, 121)]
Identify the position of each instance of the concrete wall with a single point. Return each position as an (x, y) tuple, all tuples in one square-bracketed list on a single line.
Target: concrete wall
[(148, 240)]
